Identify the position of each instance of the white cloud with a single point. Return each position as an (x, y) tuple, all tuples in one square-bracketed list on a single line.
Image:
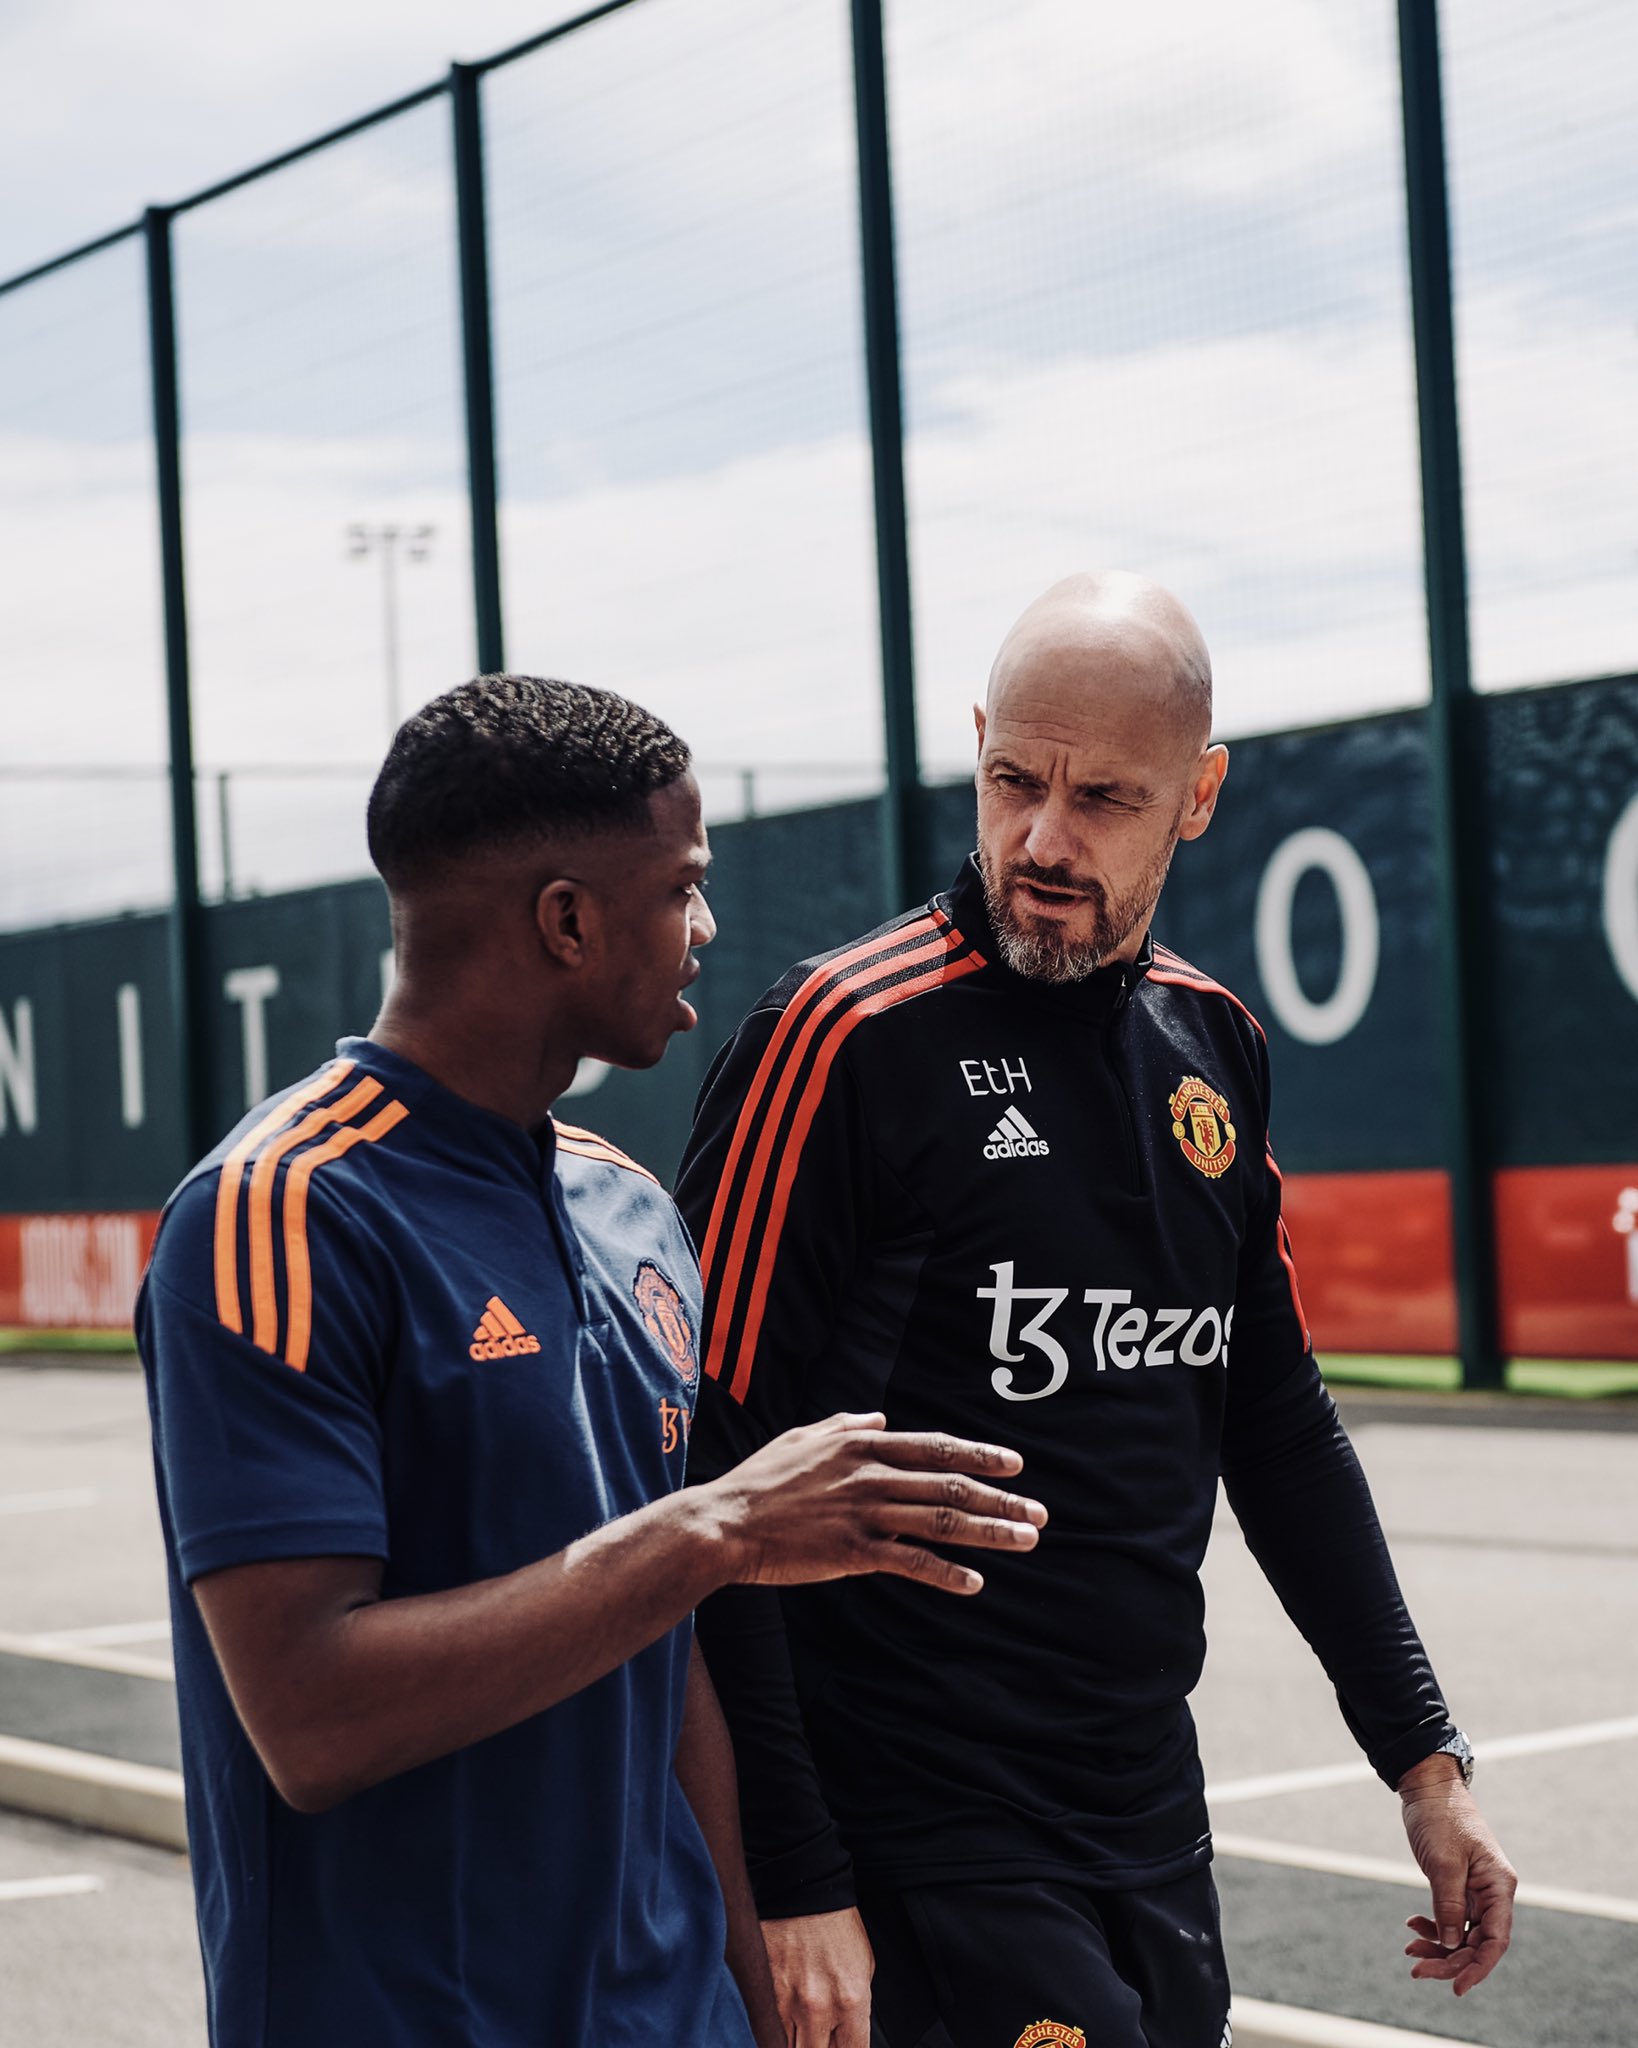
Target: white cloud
[(1270, 479)]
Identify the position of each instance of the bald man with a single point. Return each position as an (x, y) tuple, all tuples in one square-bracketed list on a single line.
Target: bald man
[(1002, 1167)]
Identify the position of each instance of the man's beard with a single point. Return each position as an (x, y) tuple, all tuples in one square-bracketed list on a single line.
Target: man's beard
[(1039, 948)]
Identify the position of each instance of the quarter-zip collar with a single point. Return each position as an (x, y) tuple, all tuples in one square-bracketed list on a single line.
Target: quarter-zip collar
[(1096, 998)]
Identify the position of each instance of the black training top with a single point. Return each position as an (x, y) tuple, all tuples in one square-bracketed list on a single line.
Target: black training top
[(1046, 1217)]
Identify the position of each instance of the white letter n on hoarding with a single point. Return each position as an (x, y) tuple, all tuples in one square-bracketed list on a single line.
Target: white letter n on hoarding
[(251, 988), (17, 1065)]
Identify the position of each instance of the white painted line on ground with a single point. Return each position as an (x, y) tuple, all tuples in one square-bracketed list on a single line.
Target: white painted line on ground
[(46, 1887), (1385, 1870), (1236, 1791), (1260, 2025), (130, 1662), (42, 1503), (1550, 1739), (94, 1791), (108, 1637)]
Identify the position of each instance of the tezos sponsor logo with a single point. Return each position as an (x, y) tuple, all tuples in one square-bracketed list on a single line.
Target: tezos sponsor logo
[(1136, 1336)]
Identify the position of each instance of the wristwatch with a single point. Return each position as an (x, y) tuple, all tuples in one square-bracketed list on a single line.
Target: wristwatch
[(1458, 1746)]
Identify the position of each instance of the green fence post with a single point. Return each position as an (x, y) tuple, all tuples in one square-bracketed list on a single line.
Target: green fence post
[(478, 355), (1455, 732), (189, 1015), (904, 874)]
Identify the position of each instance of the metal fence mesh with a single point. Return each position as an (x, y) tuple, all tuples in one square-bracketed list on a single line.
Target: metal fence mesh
[(1153, 302), (1543, 144), (324, 478), (80, 634), (684, 455), (1156, 314)]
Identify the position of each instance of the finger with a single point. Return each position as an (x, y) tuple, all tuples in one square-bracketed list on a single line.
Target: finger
[(953, 1489), (1485, 1957), (854, 2032), (1450, 1905), (935, 1450), (908, 1561), (945, 1524)]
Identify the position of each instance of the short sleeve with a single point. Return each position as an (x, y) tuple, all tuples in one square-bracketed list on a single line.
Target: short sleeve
[(258, 1457)]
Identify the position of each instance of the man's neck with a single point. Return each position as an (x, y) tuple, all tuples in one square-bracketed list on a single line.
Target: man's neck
[(516, 1075)]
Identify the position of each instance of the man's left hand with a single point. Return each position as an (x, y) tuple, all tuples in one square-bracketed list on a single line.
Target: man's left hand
[(1472, 1881)]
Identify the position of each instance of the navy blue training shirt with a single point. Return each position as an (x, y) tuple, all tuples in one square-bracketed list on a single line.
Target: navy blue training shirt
[(382, 1322)]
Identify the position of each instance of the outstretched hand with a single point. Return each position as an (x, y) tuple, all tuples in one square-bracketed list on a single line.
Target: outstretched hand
[(847, 1495), (1472, 1882)]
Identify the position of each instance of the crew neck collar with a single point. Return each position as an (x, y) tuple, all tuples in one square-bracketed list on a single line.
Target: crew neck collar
[(439, 1108)]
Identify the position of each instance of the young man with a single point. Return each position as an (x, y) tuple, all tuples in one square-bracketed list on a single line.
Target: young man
[(422, 1366), (1002, 1167)]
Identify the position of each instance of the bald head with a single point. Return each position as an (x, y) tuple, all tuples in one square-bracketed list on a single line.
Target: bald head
[(1107, 634), (1094, 760)]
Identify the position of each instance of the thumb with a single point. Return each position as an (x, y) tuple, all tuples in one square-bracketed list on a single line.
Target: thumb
[(1449, 1904)]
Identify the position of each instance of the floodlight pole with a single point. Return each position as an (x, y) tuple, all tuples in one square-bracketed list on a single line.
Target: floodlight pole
[(190, 1021), (478, 355), (904, 862), (364, 539), (1455, 732)]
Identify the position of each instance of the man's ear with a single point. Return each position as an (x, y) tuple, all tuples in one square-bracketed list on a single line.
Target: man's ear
[(1208, 783), (978, 720), (563, 917)]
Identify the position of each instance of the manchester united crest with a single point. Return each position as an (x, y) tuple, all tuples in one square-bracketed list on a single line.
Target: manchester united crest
[(1053, 2032), (665, 1317), (1200, 1124)]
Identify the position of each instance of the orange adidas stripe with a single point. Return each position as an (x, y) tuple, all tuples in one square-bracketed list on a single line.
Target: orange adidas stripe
[(886, 999), (509, 1324), (587, 1145), (1203, 984), (227, 1190), (1286, 1260), (264, 1329), (934, 946), (789, 1022), (298, 1269)]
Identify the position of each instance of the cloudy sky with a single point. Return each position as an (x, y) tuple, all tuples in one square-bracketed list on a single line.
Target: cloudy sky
[(1154, 313)]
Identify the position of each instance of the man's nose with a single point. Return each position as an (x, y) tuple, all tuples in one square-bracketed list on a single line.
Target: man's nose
[(702, 926), (1052, 840)]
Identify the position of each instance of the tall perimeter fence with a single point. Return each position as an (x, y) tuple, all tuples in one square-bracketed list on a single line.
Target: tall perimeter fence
[(762, 358)]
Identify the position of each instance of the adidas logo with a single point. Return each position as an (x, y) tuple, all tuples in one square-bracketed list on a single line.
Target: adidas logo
[(1015, 1138), (500, 1334)]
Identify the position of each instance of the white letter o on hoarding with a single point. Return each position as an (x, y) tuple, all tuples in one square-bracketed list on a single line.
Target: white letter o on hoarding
[(1621, 896), (1317, 1023)]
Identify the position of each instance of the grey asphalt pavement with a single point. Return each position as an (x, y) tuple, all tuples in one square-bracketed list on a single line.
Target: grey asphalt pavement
[(1516, 1538), (117, 1967)]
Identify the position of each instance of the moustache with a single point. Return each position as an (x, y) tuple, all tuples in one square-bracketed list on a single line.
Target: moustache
[(1055, 878)]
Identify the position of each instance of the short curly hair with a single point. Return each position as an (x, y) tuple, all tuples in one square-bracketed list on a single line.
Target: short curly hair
[(506, 759)]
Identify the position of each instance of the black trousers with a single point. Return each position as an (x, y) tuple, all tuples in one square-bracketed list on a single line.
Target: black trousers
[(1047, 1965)]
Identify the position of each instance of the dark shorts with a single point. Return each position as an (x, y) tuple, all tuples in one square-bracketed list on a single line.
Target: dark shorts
[(1048, 1965)]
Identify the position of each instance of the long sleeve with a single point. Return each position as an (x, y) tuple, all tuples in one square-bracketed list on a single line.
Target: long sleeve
[(1302, 1500), (770, 1185)]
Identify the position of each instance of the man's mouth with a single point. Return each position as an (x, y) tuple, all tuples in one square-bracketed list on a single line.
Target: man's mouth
[(1050, 896)]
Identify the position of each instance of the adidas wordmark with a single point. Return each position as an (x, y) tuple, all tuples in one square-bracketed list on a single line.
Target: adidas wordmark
[(1014, 1137)]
